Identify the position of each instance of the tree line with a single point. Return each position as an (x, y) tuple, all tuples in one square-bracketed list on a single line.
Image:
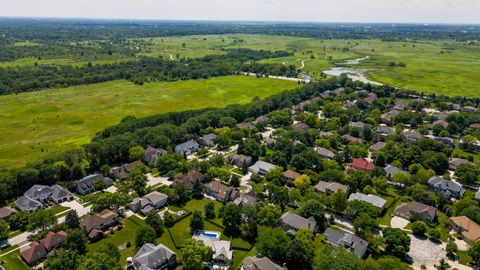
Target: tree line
[(31, 78)]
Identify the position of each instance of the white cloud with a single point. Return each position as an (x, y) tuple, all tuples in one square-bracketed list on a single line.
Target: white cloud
[(456, 11)]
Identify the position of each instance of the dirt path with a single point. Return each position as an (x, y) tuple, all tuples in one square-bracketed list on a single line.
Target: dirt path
[(303, 63)]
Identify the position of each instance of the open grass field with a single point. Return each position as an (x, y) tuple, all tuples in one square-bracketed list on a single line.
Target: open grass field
[(37, 123), (442, 67)]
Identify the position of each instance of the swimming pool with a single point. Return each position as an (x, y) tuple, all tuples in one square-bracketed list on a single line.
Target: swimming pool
[(208, 234)]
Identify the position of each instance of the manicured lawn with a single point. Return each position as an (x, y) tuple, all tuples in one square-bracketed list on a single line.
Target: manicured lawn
[(58, 209), (13, 261), (13, 234), (127, 234), (181, 231), (463, 257), (29, 122)]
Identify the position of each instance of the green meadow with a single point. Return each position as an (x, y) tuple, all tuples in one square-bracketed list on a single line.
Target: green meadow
[(35, 124), (442, 67)]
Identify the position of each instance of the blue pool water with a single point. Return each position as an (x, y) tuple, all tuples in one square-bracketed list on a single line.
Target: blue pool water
[(209, 235)]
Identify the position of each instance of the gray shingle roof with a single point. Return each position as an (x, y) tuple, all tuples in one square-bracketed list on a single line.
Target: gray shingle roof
[(297, 222), (369, 198), (187, 147), (261, 167), (27, 204), (350, 241), (445, 187), (152, 257)]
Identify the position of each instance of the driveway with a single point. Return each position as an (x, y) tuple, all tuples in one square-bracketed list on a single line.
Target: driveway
[(398, 222), (425, 252), (22, 240), (79, 208), (244, 182), (155, 180)]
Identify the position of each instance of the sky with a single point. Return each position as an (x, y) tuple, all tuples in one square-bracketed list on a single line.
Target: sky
[(396, 11)]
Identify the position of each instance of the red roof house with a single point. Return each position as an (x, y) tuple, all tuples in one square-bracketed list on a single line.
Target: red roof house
[(360, 164)]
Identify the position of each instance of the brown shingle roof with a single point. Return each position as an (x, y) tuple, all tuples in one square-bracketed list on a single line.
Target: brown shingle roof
[(53, 240), (292, 175), (35, 253), (470, 229)]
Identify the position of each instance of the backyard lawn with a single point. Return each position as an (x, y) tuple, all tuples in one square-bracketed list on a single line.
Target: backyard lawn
[(181, 231), (127, 234), (13, 261)]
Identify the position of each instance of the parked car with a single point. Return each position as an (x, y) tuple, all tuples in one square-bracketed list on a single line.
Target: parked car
[(4, 245)]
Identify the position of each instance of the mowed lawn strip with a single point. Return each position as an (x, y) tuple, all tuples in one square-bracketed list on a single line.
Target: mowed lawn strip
[(38, 123), (12, 261)]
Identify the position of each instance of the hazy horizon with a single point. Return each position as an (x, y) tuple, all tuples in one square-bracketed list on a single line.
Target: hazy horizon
[(320, 11)]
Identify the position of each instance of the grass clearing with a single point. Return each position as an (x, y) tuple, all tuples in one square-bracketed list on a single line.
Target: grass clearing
[(38, 123), (443, 67)]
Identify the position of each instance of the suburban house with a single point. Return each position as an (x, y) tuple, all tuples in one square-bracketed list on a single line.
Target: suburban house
[(469, 109), (261, 167), (391, 171), (466, 227), (34, 254), (95, 225), (330, 187), (455, 162), (292, 222), (412, 136), (325, 153), (151, 257), (377, 146), (262, 119), (445, 188), (151, 155), (387, 118), (87, 184), (122, 172), (152, 201), (326, 133), (222, 250), (207, 140), (245, 199), (6, 212), (260, 262), (347, 240), (371, 97), (38, 251), (417, 210), (300, 127), (187, 148), (384, 131), (220, 192), (189, 179), (360, 164), (238, 160), (400, 106), (368, 198), (356, 125), (350, 139), (290, 175), (34, 198)]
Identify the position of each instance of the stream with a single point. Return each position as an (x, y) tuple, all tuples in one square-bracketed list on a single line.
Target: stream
[(356, 74)]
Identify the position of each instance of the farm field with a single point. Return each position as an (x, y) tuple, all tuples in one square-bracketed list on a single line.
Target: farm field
[(442, 67), (38, 123)]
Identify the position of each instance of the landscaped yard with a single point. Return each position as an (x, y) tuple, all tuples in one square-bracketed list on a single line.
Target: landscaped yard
[(127, 234), (58, 209), (181, 231), (13, 261)]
